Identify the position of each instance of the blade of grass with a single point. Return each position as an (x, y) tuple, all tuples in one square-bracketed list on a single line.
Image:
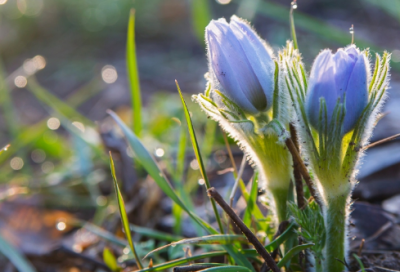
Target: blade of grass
[(362, 268), (220, 239), (109, 260), (19, 261), (251, 202), (133, 76), (150, 165), (124, 216), (198, 155), (170, 264), (292, 252)]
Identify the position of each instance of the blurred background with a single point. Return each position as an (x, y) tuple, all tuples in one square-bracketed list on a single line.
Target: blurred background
[(63, 64)]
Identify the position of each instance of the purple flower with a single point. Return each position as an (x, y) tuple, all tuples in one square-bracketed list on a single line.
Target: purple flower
[(240, 64), (339, 75)]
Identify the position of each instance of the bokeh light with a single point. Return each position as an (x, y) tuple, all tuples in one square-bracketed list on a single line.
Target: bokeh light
[(53, 123), (223, 2), (38, 155), (20, 81), (194, 165), (61, 226), (159, 152), (17, 163), (109, 74), (2, 2), (39, 61), (47, 167)]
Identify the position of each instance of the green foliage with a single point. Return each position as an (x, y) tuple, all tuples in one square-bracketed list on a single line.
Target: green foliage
[(133, 76), (110, 260), (124, 216), (311, 226)]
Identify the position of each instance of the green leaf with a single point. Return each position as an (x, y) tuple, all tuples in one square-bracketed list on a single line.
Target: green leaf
[(218, 239), (362, 268), (198, 156), (170, 264), (133, 75), (251, 201), (124, 216), (292, 252), (109, 260), (19, 261), (282, 238)]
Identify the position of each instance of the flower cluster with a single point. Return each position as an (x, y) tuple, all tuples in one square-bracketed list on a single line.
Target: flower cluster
[(255, 96)]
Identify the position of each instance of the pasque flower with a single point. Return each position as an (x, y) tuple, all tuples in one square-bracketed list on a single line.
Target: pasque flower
[(241, 64), (343, 76)]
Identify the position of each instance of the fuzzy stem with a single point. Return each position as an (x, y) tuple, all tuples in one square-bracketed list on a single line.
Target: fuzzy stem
[(335, 222), (280, 199)]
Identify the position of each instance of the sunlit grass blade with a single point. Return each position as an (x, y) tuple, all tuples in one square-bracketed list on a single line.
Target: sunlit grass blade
[(110, 260), (133, 76), (124, 216), (228, 268), (220, 239), (150, 165), (18, 260), (200, 17), (292, 252), (171, 264), (198, 155)]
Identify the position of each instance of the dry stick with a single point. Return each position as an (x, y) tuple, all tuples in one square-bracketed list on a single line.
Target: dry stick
[(296, 172), (381, 141), (303, 169), (212, 192)]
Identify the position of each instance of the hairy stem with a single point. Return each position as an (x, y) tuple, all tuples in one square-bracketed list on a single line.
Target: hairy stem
[(335, 222)]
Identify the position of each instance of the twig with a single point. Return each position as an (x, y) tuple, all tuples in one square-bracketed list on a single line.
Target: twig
[(361, 247), (296, 172), (212, 192), (381, 141), (303, 170)]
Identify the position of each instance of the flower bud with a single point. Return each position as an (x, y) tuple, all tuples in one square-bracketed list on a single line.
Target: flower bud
[(343, 76), (240, 64)]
